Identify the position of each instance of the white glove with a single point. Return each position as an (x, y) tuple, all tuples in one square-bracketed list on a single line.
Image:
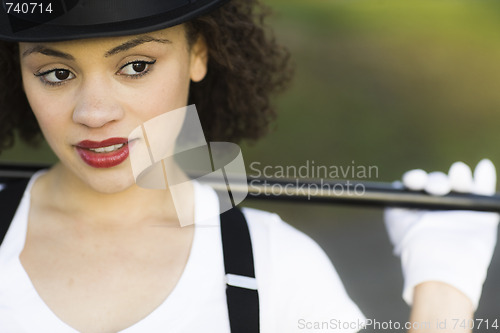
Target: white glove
[(454, 247)]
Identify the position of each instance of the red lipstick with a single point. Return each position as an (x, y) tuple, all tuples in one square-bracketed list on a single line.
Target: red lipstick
[(103, 154)]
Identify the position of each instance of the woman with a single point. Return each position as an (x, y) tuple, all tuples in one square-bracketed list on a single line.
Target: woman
[(89, 250)]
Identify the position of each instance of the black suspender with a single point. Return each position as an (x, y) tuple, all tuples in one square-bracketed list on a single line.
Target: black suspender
[(10, 197), (241, 293)]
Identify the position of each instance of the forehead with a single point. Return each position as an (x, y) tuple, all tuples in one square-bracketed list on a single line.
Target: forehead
[(176, 34)]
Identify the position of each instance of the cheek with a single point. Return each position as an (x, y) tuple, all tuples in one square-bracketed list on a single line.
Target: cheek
[(170, 91), (47, 110)]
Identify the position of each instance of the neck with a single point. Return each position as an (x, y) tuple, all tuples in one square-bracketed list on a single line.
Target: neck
[(132, 206)]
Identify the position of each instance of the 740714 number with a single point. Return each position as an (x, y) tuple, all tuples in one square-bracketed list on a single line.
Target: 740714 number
[(28, 7), (476, 323)]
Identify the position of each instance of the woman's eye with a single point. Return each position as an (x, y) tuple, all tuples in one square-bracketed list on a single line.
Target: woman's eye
[(136, 68), (55, 76)]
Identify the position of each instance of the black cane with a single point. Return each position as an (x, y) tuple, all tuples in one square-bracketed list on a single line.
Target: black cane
[(370, 194)]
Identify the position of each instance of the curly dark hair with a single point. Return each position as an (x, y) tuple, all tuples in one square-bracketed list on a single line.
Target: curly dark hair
[(245, 67)]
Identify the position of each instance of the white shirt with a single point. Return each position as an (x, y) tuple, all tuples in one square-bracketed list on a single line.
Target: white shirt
[(299, 289)]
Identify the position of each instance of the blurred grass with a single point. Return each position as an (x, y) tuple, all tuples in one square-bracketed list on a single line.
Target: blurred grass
[(388, 83)]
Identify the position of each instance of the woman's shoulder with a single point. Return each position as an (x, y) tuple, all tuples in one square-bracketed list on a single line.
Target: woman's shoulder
[(289, 252), (282, 237), (298, 274), (286, 249)]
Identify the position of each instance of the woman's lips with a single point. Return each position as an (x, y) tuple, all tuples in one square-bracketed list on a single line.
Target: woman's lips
[(103, 154)]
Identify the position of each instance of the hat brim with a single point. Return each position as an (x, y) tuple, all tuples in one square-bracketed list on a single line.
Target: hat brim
[(62, 28)]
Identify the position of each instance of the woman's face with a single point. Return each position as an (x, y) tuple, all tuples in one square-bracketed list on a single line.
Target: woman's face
[(88, 95)]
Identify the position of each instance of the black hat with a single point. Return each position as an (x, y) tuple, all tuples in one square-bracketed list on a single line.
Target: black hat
[(57, 20)]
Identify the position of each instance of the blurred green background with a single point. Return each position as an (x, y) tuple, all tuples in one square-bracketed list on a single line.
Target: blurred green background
[(393, 84), (397, 84)]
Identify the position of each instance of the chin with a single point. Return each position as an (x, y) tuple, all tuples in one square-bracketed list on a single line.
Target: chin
[(110, 183)]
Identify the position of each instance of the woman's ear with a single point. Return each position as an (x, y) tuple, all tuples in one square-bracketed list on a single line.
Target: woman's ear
[(199, 60)]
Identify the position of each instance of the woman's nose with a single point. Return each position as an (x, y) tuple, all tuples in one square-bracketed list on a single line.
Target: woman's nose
[(97, 105)]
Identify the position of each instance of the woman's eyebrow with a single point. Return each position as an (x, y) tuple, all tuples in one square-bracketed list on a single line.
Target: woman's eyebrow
[(133, 43), (120, 48), (47, 51)]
